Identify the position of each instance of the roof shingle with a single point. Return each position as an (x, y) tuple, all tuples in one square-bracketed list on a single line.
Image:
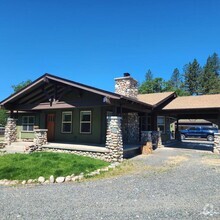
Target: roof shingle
[(154, 98), (194, 102)]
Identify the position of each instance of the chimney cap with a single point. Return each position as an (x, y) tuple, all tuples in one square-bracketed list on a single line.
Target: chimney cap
[(126, 74)]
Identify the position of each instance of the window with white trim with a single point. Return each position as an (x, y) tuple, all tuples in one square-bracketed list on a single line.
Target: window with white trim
[(66, 122), (85, 122), (28, 123), (161, 123)]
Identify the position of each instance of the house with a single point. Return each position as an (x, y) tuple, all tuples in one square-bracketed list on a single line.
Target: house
[(78, 113)]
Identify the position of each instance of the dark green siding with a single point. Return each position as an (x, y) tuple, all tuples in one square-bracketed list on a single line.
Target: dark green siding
[(76, 136)]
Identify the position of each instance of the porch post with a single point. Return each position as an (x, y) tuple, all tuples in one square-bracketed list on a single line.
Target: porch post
[(10, 131), (114, 139), (177, 136), (154, 122)]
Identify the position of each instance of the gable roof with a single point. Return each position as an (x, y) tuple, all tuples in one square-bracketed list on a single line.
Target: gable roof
[(38, 83), (194, 102), (155, 99), (48, 76)]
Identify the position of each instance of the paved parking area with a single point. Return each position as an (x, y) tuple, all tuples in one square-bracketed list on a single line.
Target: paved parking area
[(169, 184), (195, 144)]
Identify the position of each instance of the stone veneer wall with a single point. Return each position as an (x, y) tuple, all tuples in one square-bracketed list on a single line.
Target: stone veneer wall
[(152, 136), (114, 141), (126, 86), (96, 155), (217, 143), (130, 128), (40, 137), (10, 131)]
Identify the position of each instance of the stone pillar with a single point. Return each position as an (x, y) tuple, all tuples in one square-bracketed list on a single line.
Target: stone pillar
[(130, 128), (114, 141), (10, 131), (216, 148), (40, 137)]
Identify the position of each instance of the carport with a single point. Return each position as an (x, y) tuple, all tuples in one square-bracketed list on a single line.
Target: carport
[(193, 107)]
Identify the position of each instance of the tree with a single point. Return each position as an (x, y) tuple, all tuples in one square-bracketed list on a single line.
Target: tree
[(214, 62), (3, 117), (21, 85), (152, 85), (210, 75), (147, 85), (192, 77), (149, 76), (176, 80), (158, 85)]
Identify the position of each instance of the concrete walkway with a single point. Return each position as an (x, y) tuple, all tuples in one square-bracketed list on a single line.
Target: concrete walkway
[(19, 147)]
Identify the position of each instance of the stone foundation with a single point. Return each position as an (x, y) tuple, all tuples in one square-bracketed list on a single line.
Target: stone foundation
[(40, 137), (95, 155), (216, 148), (10, 131), (114, 141)]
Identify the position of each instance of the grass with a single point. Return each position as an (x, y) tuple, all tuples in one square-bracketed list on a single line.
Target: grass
[(31, 166), (176, 160), (125, 168)]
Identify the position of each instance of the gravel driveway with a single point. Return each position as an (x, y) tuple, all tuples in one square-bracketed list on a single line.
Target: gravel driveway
[(169, 184)]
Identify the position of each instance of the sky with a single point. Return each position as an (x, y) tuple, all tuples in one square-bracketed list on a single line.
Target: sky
[(95, 41)]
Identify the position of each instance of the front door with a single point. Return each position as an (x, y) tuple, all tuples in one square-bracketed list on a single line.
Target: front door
[(51, 127)]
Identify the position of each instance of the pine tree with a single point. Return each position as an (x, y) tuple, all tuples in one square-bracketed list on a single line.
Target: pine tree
[(176, 79), (210, 76), (193, 77), (147, 85)]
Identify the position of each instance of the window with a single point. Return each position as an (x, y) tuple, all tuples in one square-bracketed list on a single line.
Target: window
[(66, 122), (28, 123), (161, 123), (85, 122)]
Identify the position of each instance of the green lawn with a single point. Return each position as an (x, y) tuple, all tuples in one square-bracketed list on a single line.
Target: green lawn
[(31, 166)]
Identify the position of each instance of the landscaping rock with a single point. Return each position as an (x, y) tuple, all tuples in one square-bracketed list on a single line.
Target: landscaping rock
[(68, 179), (51, 179), (60, 179), (75, 178), (41, 179), (104, 169), (24, 182), (80, 177), (14, 182), (30, 181), (46, 182)]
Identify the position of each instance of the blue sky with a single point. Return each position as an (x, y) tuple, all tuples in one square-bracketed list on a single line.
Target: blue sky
[(94, 41)]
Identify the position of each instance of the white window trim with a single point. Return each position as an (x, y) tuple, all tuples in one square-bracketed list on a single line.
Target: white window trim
[(82, 122), (28, 124), (69, 122), (163, 124)]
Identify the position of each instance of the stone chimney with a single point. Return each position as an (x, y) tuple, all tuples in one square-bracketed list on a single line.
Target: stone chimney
[(126, 86)]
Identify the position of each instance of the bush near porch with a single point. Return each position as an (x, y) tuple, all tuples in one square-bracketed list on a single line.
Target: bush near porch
[(31, 166)]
